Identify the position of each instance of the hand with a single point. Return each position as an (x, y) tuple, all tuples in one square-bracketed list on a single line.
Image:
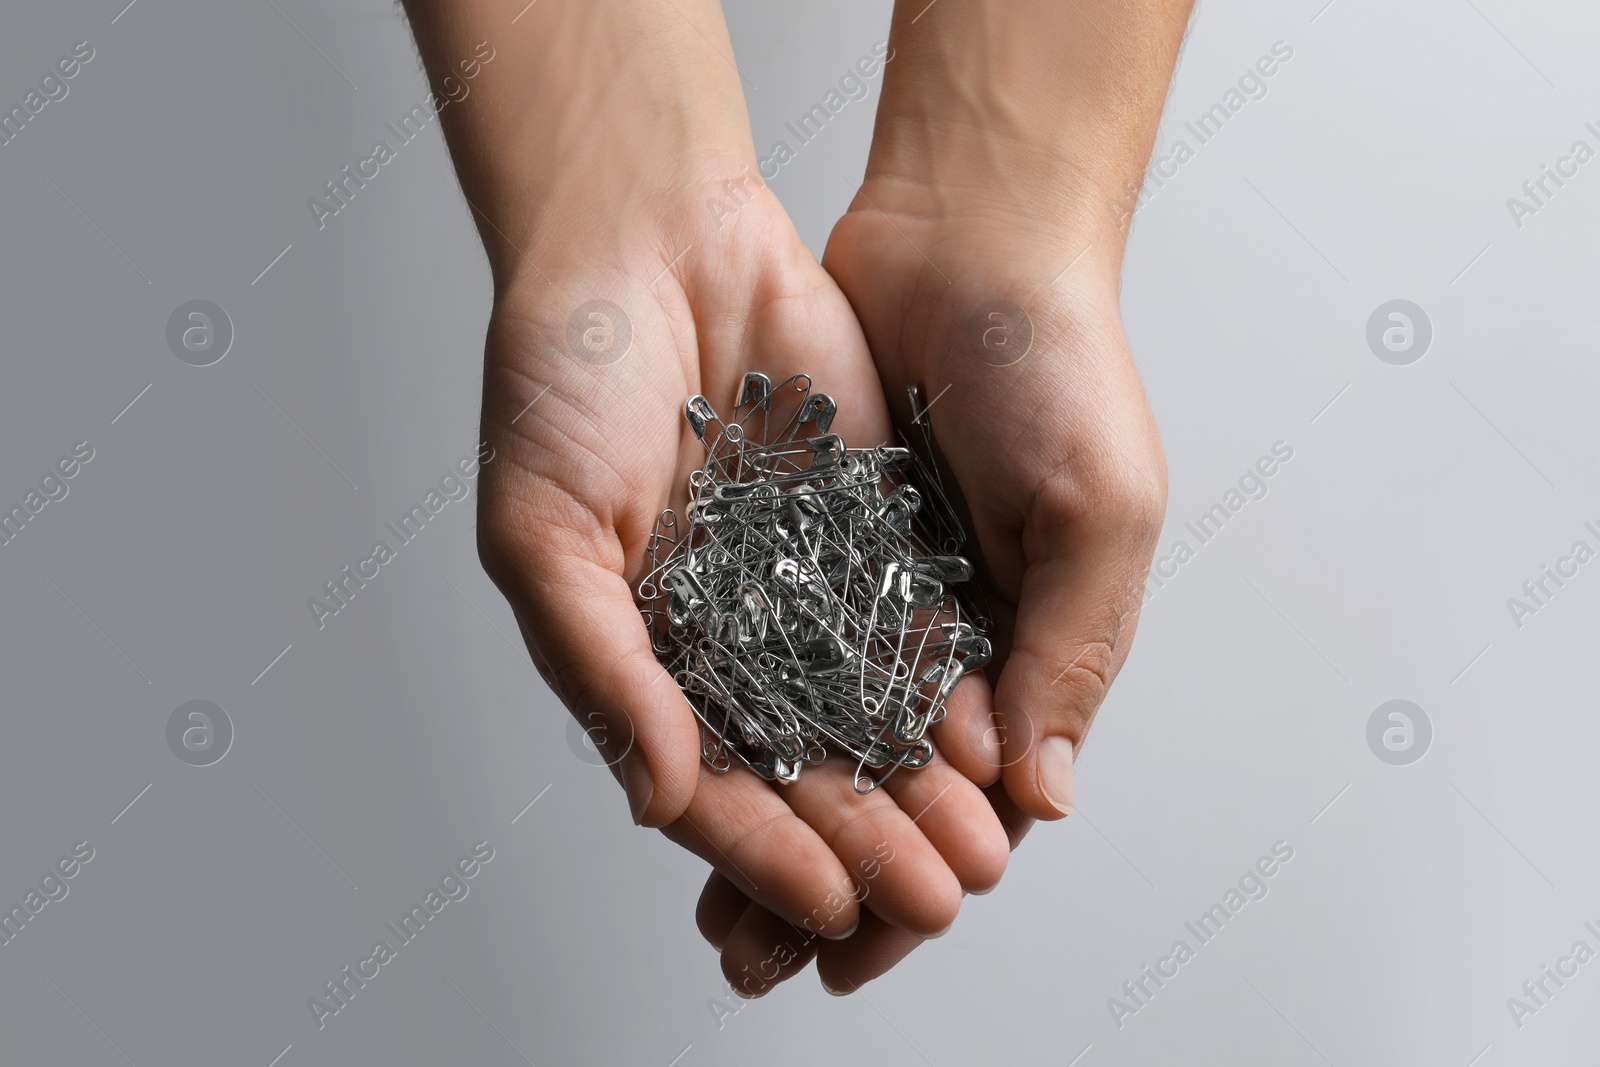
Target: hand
[(1014, 335), (637, 261), (587, 456), (1037, 408), (759, 949), (982, 258)]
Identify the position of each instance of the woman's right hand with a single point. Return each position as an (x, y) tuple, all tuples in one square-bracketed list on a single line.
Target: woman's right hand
[(639, 260)]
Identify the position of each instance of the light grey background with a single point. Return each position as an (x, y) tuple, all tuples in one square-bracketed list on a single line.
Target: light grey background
[(373, 753)]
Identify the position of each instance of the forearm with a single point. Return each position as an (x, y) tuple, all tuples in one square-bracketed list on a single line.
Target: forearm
[(1041, 110), (591, 104)]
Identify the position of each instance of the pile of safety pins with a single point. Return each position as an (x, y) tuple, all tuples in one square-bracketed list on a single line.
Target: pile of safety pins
[(805, 607)]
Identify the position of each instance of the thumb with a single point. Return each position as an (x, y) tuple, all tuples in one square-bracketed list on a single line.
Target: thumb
[(592, 647), (1076, 612)]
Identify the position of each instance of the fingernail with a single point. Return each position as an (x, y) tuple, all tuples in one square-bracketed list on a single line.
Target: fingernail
[(832, 992), (636, 780), (1055, 772)]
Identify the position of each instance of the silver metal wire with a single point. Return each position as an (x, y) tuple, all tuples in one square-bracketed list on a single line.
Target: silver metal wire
[(800, 601)]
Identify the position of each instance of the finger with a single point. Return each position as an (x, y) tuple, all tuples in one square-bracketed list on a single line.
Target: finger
[(896, 870), (719, 907), (957, 819), (763, 951), (967, 737), (846, 966), (742, 827), (1016, 822), (1076, 613), (761, 942), (876, 946), (578, 616)]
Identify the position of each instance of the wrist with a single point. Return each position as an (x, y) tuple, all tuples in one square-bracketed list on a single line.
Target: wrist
[(643, 201), (1003, 219), (936, 278), (590, 117), (1034, 111)]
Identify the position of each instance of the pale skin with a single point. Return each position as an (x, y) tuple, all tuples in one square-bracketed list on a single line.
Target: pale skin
[(1008, 138)]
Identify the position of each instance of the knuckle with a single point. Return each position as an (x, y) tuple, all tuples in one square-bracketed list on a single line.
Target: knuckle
[(1097, 659), (867, 823), (1134, 501), (1125, 497), (501, 534), (495, 550), (1088, 676)]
